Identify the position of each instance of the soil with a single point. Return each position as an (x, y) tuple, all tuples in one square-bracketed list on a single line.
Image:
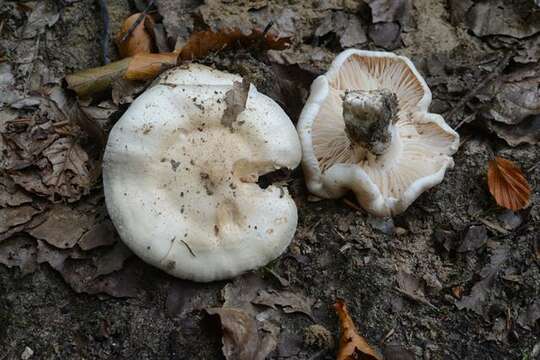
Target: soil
[(339, 251)]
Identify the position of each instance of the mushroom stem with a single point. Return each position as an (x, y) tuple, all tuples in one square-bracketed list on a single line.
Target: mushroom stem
[(368, 116)]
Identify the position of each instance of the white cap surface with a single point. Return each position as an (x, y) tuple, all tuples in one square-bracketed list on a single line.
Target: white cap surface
[(180, 186), (421, 146)]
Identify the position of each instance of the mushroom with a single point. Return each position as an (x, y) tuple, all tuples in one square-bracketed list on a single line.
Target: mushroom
[(366, 128), (180, 171)]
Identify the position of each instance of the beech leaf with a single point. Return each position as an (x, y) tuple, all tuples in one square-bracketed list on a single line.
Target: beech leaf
[(507, 184), (94, 80), (351, 344), (139, 41), (200, 44), (148, 66)]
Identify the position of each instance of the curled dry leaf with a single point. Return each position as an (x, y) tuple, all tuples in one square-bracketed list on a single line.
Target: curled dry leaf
[(200, 44), (289, 301), (148, 66), (240, 336), (55, 152), (95, 80), (351, 344), (139, 41), (139, 67), (507, 184), (235, 99)]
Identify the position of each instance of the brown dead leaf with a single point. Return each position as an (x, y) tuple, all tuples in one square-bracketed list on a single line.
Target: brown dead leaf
[(13, 216), (95, 80), (200, 44), (482, 291), (248, 332), (101, 234), (289, 301), (68, 170), (113, 260), (20, 252), (11, 194), (507, 184), (139, 41), (457, 291), (54, 152), (240, 336), (351, 344), (148, 66), (63, 227), (235, 100)]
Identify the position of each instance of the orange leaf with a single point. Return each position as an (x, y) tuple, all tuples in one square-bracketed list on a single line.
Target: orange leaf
[(507, 184), (139, 41), (351, 345), (148, 66), (200, 44)]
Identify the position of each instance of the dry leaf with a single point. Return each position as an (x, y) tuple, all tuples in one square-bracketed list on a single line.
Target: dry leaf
[(200, 44), (482, 291), (13, 216), (290, 302), (248, 333), (91, 81), (351, 345), (507, 184), (235, 99), (20, 252), (240, 336), (63, 226), (139, 41), (148, 66)]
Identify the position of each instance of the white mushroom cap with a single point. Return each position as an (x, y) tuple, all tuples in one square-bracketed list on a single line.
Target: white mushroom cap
[(421, 142), (180, 186)]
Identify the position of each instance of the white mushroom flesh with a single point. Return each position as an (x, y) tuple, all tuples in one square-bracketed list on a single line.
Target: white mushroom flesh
[(180, 186)]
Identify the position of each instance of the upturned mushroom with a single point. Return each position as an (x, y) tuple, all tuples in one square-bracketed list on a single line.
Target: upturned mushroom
[(180, 171), (366, 128)]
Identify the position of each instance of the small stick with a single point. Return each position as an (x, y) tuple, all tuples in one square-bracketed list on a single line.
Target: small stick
[(486, 80), (189, 249), (137, 22), (466, 119), (104, 39), (416, 298), (267, 28)]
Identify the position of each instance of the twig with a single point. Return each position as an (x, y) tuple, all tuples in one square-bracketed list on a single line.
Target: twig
[(485, 81), (416, 298), (137, 22), (189, 249), (318, 354), (267, 28), (104, 39), (466, 119)]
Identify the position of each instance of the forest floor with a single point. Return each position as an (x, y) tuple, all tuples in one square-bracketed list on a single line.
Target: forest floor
[(454, 277)]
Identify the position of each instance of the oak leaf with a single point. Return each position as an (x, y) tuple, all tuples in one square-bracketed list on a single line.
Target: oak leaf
[(507, 184)]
